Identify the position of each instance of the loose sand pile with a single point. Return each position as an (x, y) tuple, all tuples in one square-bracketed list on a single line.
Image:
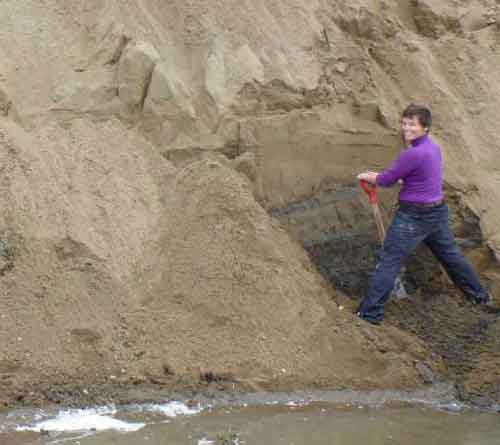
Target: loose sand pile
[(144, 146)]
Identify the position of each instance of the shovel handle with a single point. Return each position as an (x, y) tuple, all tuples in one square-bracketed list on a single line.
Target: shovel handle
[(370, 190)]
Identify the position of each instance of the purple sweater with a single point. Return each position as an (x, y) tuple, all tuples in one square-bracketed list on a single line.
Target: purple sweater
[(420, 168)]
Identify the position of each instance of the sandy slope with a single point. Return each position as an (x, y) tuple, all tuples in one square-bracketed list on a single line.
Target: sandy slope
[(142, 143)]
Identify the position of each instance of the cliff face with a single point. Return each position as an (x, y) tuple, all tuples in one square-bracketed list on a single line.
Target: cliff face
[(144, 146)]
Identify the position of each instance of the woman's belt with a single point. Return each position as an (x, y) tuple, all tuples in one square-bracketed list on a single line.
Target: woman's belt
[(424, 205)]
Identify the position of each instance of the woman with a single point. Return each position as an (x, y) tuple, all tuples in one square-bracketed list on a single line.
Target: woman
[(422, 216)]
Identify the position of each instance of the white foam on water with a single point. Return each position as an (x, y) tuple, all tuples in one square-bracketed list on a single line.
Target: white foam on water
[(454, 407), (101, 418), (173, 409), (95, 419), (297, 404)]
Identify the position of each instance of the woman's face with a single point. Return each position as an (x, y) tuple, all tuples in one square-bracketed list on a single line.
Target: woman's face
[(412, 128)]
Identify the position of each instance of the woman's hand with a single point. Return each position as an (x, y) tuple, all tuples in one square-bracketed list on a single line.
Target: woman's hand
[(368, 176)]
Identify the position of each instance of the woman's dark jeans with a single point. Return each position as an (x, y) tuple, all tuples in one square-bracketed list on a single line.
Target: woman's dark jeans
[(411, 226)]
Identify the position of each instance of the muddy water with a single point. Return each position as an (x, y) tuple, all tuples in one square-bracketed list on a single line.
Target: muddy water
[(339, 418)]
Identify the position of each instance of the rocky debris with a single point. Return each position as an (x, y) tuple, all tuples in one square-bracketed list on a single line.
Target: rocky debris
[(362, 23), (112, 45), (183, 156), (135, 69), (169, 116), (161, 88), (92, 91), (246, 164), (482, 385), (167, 96), (5, 103), (241, 64), (456, 330), (477, 17), (434, 18), (426, 372), (274, 96), (6, 257)]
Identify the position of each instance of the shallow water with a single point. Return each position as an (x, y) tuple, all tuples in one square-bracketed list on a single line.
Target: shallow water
[(338, 418)]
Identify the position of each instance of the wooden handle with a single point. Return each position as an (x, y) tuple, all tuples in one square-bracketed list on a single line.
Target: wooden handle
[(379, 222)]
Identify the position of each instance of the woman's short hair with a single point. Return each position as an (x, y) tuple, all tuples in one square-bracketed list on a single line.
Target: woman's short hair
[(422, 113)]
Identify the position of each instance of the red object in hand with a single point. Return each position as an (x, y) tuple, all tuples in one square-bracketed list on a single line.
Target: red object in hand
[(370, 190)]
